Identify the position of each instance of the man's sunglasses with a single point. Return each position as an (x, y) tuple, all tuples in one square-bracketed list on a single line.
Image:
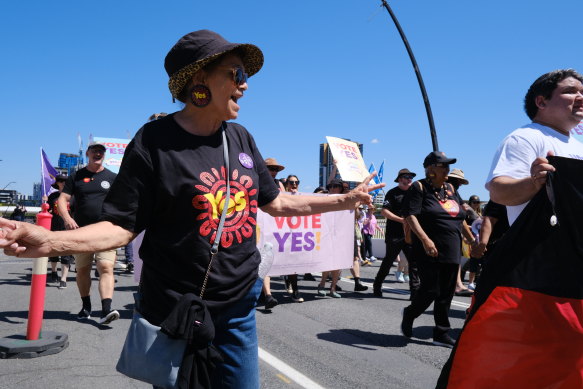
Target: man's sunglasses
[(239, 76), (293, 182), (272, 169), (407, 176)]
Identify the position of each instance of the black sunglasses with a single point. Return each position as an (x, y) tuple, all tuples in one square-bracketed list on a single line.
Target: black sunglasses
[(293, 182), (239, 76), (407, 176), (272, 169)]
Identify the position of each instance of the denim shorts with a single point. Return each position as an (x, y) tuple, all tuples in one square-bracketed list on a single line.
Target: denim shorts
[(236, 339)]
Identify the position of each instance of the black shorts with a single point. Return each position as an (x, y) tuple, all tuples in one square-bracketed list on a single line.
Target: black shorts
[(64, 259)]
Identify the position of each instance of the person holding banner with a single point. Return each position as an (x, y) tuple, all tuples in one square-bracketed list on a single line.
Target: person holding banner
[(292, 185), (172, 184), (554, 103), (274, 167), (335, 186)]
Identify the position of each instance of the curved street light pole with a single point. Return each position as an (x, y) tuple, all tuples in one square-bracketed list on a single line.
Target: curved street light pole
[(6, 186), (418, 74)]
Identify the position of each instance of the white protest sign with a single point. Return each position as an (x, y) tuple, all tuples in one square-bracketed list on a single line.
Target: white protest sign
[(348, 159)]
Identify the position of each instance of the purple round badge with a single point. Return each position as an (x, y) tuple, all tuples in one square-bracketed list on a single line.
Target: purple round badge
[(246, 160)]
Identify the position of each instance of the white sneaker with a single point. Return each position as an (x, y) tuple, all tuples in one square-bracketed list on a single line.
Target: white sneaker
[(399, 276), (373, 258), (406, 277), (472, 286)]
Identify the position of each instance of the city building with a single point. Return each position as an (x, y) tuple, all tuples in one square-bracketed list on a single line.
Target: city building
[(8, 196), (37, 192), (69, 163), (327, 164)]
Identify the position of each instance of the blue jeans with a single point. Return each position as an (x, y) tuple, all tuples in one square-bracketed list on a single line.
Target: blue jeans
[(129, 251), (236, 339)]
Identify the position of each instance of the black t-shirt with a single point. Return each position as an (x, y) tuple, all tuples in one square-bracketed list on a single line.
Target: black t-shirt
[(497, 211), (18, 213), (471, 217), (172, 183), (57, 222), (89, 190), (394, 203), (441, 219)]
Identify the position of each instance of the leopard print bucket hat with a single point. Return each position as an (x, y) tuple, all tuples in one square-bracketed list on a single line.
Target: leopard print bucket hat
[(195, 50)]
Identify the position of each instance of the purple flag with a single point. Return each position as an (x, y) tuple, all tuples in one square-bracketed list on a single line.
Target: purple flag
[(48, 174)]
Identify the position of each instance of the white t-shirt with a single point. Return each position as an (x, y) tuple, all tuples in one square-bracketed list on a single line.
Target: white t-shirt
[(519, 149)]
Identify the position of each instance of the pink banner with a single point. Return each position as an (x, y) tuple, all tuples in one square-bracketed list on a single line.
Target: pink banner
[(308, 244), (301, 244)]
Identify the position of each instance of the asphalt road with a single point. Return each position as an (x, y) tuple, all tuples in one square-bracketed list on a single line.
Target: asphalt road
[(324, 342)]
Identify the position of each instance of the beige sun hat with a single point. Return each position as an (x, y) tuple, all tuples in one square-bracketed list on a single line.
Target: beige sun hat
[(273, 162), (459, 174)]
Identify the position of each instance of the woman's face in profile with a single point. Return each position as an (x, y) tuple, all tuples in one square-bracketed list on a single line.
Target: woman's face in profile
[(225, 92)]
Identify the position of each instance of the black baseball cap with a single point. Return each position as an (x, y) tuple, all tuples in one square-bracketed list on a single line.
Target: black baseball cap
[(437, 157)]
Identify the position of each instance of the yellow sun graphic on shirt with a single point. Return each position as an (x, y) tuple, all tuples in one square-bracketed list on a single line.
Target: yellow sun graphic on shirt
[(242, 211)]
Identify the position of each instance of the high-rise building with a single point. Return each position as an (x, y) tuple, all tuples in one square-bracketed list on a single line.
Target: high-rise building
[(70, 162), (37, 192), (327, 164), (8, 196)]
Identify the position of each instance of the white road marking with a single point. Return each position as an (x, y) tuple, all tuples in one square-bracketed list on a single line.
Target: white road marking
[(301, 379), (289, 371)]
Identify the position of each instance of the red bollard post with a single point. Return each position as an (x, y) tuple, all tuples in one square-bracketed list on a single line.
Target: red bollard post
[(39, 283)]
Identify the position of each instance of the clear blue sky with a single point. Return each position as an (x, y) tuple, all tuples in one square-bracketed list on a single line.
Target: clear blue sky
[(333, 68)]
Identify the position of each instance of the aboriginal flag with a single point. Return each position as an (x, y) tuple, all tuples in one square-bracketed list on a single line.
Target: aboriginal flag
[(525, 327)]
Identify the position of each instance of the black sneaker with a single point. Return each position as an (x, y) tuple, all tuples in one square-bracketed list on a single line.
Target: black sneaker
[(443, 340), (84, 314), (108, 317), (359, 288), (54, 278), (63, 285), (129, 268), (407, 324), (377, 292), (270, 302), (296, 297)]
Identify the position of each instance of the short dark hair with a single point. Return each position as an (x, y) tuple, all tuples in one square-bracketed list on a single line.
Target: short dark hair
[(544, 86)]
